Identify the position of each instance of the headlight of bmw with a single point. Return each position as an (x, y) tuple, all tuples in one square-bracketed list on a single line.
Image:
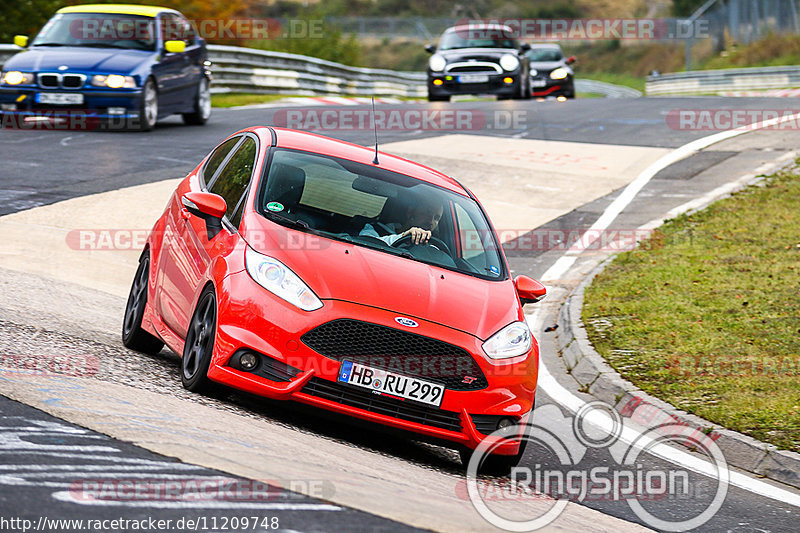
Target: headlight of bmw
[(559, 74), (280, 281), (15, 77), (115, 81), (509, 62), (512, 341), (437, 63)]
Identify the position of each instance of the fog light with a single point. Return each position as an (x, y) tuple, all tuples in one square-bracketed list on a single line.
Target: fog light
[(508, 80), (505, 422), (438, 82), (562, 98), (116, 110), (248, 361), (8, 107)]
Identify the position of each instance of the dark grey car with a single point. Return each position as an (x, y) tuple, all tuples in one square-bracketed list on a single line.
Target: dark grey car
[(478, 59)]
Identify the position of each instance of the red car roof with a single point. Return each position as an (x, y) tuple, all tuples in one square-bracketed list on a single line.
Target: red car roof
[(310, 142)]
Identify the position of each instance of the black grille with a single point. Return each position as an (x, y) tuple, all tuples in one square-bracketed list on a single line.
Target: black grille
[(486, 424), (398, 351), (476, 68), (48, 81), (369, 401), (72, 81)]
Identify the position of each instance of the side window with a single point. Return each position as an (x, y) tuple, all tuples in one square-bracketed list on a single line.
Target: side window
[(188, 35), (233, 180), (217, 158)]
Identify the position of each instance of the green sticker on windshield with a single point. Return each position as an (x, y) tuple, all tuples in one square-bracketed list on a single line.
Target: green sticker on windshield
[(275, 206)]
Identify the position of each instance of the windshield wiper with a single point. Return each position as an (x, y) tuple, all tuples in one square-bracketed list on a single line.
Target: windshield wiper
[(50, 44), (291, 222)]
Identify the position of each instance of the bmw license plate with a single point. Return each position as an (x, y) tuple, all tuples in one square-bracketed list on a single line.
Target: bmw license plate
[(473, 78), (538, 83), (386, 382), (60, 98)]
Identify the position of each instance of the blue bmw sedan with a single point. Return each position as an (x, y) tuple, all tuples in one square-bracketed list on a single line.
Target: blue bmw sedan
[(125, 65)]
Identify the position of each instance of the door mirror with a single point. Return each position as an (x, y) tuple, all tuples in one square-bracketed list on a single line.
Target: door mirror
[(529, 290), (524, 47), (570, 60), (175, 47), (21, 40), (210, 207), (430, 48)]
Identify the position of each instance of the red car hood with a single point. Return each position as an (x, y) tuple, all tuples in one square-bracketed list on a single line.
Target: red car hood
[(342, 271)]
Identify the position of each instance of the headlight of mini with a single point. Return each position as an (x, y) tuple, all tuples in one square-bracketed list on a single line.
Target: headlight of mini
[(280, 281), (14, 77), (115, 81), (509, 62), (437, 63), (559, 73), (511, 341)]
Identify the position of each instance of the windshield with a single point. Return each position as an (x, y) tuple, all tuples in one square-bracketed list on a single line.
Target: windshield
[(372, 207), (476, 38), (98, 30), (545, 54)]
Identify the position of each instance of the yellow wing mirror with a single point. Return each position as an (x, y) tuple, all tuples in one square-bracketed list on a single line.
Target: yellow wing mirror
[(174, 47), (21, 40)]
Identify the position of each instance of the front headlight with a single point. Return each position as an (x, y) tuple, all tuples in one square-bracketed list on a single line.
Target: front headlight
[(14, 77), (511, 341), (280, 281), (509, 62), (115, 81), (559, 73), (437, 63)]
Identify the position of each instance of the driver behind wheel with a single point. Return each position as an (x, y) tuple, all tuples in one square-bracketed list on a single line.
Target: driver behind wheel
[(421, 219)]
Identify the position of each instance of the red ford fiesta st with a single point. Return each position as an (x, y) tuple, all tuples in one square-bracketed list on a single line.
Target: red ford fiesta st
[(304, 268)]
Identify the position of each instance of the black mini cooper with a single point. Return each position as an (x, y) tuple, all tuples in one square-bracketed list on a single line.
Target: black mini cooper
[(478, 59)]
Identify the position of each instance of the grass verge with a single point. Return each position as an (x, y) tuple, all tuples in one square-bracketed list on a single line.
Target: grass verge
[(237, 99), (706, 314)]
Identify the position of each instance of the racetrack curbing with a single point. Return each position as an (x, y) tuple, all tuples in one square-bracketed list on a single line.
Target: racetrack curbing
[(596, 377)]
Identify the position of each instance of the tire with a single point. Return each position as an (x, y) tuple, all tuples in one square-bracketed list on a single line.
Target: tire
[(148, 106), (133, 336), (199, 345), (433, 98), (202, 106), (495, 465)]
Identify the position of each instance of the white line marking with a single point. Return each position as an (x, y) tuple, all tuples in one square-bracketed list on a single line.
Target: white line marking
[(557, 270), (175, 160)]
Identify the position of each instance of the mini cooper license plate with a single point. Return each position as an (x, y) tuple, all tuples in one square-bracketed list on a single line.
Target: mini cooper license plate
[(384, 381), (60, 98), (538, 83), (473, 78)]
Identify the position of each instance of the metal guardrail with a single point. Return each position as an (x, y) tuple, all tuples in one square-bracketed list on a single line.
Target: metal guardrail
[(724, 80), (609, 90), (238, 69)]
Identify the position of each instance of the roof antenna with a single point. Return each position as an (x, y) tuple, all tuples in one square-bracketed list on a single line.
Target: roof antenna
[(375, 127)]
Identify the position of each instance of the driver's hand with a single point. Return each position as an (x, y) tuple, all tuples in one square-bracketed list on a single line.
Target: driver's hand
[(418, 235)]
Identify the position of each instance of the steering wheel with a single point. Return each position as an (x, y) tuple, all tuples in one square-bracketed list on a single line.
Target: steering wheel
[(433, 241)]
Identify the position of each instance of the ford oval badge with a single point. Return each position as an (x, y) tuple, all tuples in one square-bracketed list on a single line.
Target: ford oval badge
[(403, 321)]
